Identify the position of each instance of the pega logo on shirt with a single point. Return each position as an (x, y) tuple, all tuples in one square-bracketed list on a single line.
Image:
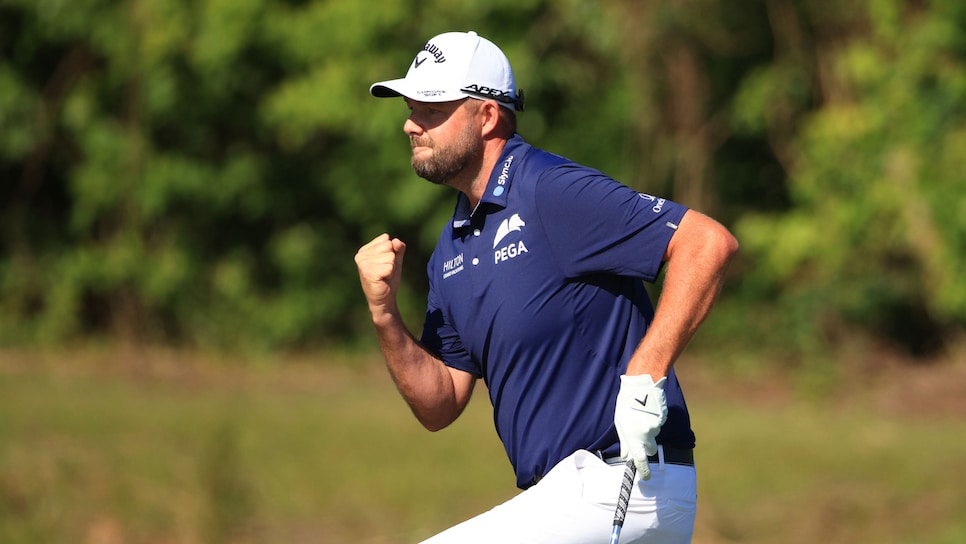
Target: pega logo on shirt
[(513, 224), (511, 251)]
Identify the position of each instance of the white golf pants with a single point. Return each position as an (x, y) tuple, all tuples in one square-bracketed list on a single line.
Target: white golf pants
[(575, 503)]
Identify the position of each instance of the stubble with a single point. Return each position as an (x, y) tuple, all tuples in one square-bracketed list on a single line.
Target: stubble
[(449, 161)]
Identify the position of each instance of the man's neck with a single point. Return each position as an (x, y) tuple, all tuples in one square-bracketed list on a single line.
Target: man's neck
[(475, 187)]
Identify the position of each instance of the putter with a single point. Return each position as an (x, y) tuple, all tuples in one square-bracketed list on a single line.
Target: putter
[(630, 470)]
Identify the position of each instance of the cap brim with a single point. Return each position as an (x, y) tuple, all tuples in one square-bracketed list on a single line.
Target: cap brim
[(386, 89), (406, 88)]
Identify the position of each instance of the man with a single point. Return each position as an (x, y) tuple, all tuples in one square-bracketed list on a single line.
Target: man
[(536, 287)]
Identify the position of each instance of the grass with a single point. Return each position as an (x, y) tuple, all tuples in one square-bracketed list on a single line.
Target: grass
[(109, 447), (806, 474)]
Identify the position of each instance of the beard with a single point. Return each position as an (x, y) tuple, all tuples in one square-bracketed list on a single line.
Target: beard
[(448, 161)]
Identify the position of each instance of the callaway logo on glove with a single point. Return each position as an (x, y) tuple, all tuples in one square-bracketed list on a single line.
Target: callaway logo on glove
[(640, 413)]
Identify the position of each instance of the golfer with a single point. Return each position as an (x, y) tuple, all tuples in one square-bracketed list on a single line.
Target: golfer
[(536, 286)]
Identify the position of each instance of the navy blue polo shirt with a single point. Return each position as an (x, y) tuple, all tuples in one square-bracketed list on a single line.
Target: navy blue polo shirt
[(539, 291)]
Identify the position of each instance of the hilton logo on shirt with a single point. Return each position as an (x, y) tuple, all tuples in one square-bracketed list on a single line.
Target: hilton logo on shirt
[(514, 249), (453, 266)]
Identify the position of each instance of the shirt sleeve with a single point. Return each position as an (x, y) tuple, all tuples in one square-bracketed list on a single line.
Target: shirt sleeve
[(441, 338), (596, 224)]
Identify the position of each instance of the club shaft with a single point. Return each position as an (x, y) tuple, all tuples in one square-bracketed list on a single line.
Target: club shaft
[(615, 535)]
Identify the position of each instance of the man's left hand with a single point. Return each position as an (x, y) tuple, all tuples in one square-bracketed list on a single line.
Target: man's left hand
[(641, 411)]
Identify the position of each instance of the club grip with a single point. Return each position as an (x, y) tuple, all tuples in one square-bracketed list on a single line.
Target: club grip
[(630, 470)]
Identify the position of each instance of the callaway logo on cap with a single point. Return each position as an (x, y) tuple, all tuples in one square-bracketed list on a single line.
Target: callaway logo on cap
[(455, 65)]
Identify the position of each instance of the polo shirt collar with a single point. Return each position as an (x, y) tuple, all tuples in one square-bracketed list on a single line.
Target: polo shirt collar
[(498, 186)]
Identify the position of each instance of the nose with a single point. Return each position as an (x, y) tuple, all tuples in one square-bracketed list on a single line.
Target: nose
[(412, 128)]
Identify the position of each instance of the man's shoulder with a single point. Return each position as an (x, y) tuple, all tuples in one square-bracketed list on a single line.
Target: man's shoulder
[(537, 157), (535, 161)]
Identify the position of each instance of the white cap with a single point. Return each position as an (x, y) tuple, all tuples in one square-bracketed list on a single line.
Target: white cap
[(455, 65)]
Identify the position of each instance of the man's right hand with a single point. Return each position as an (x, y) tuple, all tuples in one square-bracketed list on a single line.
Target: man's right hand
[(380, 272), (435, 392)]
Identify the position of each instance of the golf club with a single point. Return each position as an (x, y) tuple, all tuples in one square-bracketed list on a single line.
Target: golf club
[(630, 470)]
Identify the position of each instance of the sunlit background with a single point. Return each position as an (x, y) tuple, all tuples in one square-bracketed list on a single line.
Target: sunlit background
[(185, 354)]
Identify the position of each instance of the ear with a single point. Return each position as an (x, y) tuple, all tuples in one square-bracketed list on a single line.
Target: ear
[(490, 113)]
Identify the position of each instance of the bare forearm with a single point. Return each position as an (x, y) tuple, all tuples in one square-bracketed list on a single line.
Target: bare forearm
[(435, 393), (423, 380), (696, 272)]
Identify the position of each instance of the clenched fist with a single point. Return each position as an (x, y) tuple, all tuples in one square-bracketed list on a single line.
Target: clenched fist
[(380, 271)]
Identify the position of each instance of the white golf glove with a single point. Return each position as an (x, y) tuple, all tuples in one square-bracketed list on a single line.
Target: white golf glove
[(641, 411)]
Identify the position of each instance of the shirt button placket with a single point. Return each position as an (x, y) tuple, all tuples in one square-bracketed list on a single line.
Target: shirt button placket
[(476, 260)]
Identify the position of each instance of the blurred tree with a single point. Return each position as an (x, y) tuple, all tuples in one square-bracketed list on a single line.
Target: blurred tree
[(201, 172), (200, 169), (876, 238)]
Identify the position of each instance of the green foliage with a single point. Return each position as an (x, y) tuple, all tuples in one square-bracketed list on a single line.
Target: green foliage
[(201, 173), (876, 234)]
